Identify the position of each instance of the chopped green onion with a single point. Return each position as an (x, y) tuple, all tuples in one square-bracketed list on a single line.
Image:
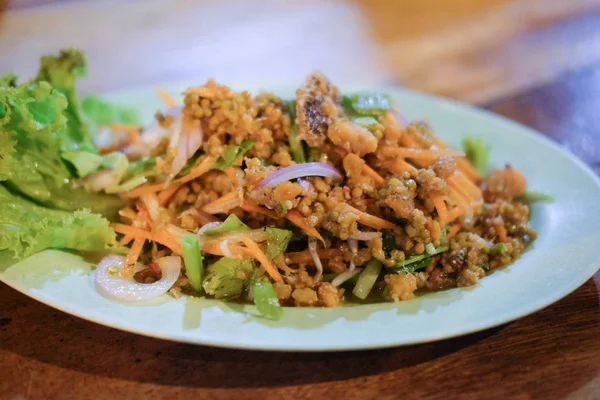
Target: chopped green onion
[(365, 122), (430, 248), (501, 248), (532, 197), (230, 155), (389, 244), (296, 147), (193, 260), (477, 152), (367, 103), (266, 300), (367, 279)]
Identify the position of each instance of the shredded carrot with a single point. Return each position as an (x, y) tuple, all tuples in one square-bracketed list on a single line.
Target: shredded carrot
[(223, 204), (194, 173), (406, 152), (125, 240), (440, 207), (135, 250), (472, 189), (501, 231), (251, 206), (455, 213), (262, 258), (297, 219), (466, 168), (214, 247), (163, 238), (461, 202), (435, 230), (166, 98), (409, 141), (230, 172), (453, 231), (371, 173), (367, 219), (305, 257), (459, 189), (398, 166), (165, 195)]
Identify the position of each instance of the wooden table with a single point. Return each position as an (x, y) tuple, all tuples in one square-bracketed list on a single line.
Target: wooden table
[(535, 61)]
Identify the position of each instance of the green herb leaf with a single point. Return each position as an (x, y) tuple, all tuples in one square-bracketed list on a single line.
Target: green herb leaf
[(367, 279), (84, 162), (415, 263), (192, 257), (296, 147), (277, 241), (103, 113), (367, 103), (389, 244), (230, 225), (232, 154)]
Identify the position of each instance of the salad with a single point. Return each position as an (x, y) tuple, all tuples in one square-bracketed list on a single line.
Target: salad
[(317, 200)]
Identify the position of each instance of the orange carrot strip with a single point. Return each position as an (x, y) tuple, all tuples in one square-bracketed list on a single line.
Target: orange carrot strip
[(230, 172), (455, 213), (453, 231), (459, 189), (223, 204), (304, 257), (469, 186), (214, 247), (501, 231), (194, 173), (262, 258), (465, 166), (170, 241), (204, 217), (461, 202), (440, 207), (297, 219), (406, 152), (166, 98), (125, 240), (134, 251), (367, 219), (398, 166), (251, 206), (409, 141), (164, 196), (371, 173)]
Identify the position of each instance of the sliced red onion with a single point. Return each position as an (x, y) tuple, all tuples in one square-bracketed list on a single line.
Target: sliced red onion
[(154, 134), (307, 187), (312, 247), (353, 243), (187, 143), (208, 226), (150, 201), (110, 283), (224, 245), (365, 236), (344, 276), (299, 171)]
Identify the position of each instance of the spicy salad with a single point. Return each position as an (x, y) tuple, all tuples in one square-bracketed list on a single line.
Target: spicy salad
[(316, 200)]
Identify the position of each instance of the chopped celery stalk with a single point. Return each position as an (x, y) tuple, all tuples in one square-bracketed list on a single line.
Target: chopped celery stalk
[(367, 279), (193, 260), (430, 248), (266, 300), (532, 197), (295, 143)]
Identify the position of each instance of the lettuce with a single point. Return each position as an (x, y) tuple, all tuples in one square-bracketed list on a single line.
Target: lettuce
[(33, 131), (27, 228), (103, 113)]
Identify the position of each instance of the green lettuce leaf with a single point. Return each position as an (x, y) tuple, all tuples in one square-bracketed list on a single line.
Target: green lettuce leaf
[(62, 72), (103, 113), (222, 279), (33, 121), (8, 80), (233, 153), (26, 228), (230, 225), (84, 162)]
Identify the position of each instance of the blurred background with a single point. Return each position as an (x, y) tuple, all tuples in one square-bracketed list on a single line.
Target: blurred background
[(532, 60)]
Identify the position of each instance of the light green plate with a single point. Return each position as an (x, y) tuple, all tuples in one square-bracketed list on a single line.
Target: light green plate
[(565, 255)]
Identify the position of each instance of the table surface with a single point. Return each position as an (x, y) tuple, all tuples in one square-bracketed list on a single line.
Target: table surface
[(534, 61)]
